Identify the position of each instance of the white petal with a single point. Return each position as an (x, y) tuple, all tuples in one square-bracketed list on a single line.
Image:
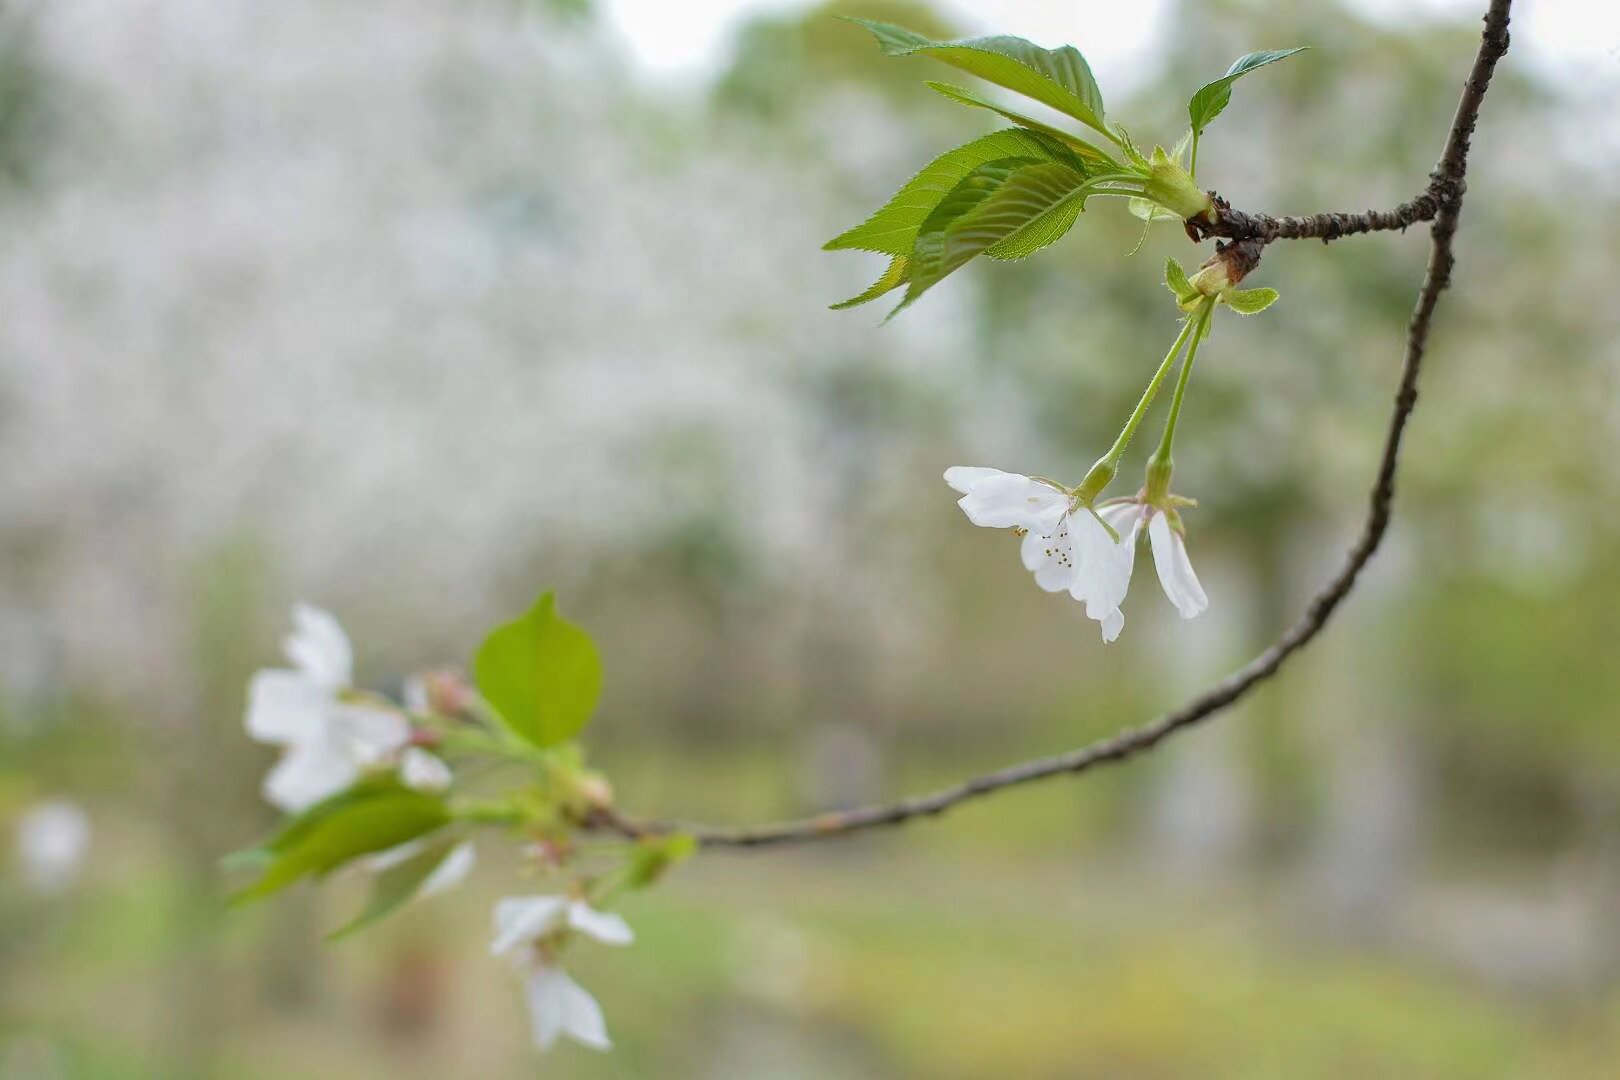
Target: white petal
[(964, 477), (285, 707), (319, 648), (522, 919), (560, 1006), (1102, 565), (451, 872), (1008, 500), (307, 773), (1175, 569), (1112, 624), (423, 771), (369, 733), (1050, 557), (604, 926), (52, 838)]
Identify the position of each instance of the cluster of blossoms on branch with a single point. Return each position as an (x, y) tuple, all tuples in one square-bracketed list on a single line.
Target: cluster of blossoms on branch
[(381, 788), (370, 786)]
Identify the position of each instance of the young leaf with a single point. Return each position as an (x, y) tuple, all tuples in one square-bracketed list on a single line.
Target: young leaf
[(1034, 208), (894, 277), (541, 673), (1060, 78), (929, 261), (397, 884), (893, 229), (374, 817), (1092, 159), (1212, 98), (1175, 279), (1250, 301)]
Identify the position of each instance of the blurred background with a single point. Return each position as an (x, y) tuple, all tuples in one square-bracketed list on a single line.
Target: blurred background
[(414, 310)]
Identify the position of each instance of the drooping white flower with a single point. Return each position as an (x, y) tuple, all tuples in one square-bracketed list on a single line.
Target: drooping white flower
[(328, 738), (529, 928), (1170, 559), (1176, 575), (1065, 546), (52, 840)]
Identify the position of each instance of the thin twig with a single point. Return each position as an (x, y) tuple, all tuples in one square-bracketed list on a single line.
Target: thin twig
[(1441, 202)]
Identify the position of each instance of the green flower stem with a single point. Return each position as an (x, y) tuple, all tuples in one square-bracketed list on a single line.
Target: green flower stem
[(1159, 465), (1105, 468)]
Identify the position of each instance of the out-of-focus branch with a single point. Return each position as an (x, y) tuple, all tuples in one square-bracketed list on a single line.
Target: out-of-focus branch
[(1441, 202)]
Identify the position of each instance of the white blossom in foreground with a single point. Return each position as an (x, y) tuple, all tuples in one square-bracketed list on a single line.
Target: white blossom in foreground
[(329, 737), (1065, 546), (1170, 559), (529, 929), (52, 840)]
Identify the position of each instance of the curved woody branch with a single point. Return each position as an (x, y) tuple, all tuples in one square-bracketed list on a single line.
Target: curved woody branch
[(1441, 203)]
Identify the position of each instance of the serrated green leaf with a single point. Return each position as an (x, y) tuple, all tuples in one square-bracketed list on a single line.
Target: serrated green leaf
[(323, 838), (1060, 78), (1212, 98), (1015, 206), (892, 278), (1091, 158), (893, 229), (928, 254), (397, 884), (541, 673), (1250, 301), (1175, 279)]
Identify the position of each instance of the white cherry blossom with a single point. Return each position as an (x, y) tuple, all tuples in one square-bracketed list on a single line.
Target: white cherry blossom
[(1066, 547), (528, 929), (328, 738), (52, 839), (1170, 559)]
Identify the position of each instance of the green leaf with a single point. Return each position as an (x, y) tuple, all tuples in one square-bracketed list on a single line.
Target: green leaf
[(1007, 208), (893, 229), (894, 277), (541, 673), (1212, 98), (1060, 78), (397, 884), (373, 816), (1093, 159), (1175, 279), (1250, 301)]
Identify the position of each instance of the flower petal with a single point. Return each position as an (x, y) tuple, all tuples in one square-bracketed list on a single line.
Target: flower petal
[(964, 477), (1007, 500), (1103, 566), (423, 771), (1181, 585), (560, 1006), (1050, 557), (604, 926), (285, 707), (369, 733), (319, 648), (307, 773), (522, 919)]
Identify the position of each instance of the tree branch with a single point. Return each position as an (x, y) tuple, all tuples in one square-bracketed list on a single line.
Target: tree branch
[(1440, 202)]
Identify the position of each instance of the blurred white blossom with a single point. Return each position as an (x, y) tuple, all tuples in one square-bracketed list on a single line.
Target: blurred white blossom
[(52, 840), (328, 738), (529, 929)]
